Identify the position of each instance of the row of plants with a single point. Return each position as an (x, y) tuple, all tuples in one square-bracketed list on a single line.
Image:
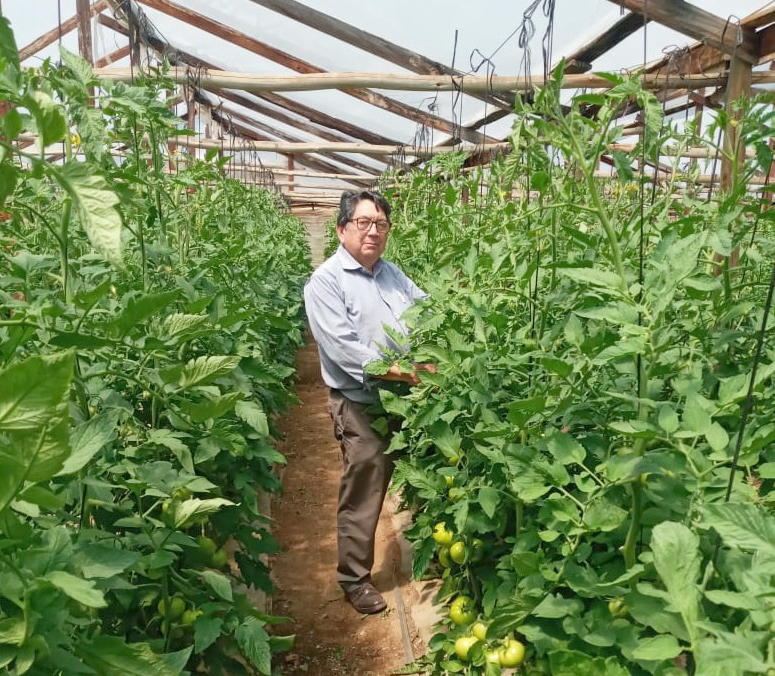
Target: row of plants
[(591, 468), (150, 310)]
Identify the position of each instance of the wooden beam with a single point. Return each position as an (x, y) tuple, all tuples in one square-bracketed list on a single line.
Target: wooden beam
[(580, 61), (371, 43), (83, 11), (285, 148), (767, 43), (180, 57), (318, 81), (761, 17), (289, 61), (119, 54), (282, 171), (256, 139), (700, 25), (292, 139), (53, 35), (280, 116)]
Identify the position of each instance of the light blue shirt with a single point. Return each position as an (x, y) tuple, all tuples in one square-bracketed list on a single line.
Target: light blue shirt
[(347, 307)]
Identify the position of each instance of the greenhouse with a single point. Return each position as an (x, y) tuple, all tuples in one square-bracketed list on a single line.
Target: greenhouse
[(345, 339)]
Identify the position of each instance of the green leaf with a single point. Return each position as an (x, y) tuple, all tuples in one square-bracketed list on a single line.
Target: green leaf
[(602, 279), (33, 389), (730, 653), (677, 560), (723, 597), (77, 588), (13, 630), (668, 418), (555, 606), (623, 166), (112, 656), (603, 515), (203, 369), (657, 648), (97, 206), (717, 437), (218, 583), (695, 418), (80, 68), (171, 440), (206, 632), (9, 52), (565, 448), (31, 456), (101, 561), (574, 663), (88, 439), (742, 525), (193, 507), (8, 177), (253, 415), (212, 409), (488, 499), (142, 307), (179, 323), (49, 117), (254, 642)]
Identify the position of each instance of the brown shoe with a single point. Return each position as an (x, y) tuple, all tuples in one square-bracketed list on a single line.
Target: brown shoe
[(366, 599)]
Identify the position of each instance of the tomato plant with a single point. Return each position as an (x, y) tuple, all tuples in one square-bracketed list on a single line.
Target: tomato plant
[(593, 368), (148, 327)]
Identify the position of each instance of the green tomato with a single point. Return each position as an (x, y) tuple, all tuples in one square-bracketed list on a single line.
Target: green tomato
[(449, 480), (463, 645), (477, 550), (172, 608), (617, 607), (462, 611), (441, 535), (206, 545), (219, 558), (512, 654), (444, 556), (479, 630), (492, 656), (458, 553), (189, 617)]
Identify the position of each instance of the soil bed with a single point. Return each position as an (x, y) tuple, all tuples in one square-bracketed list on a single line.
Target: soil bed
[(332, 639)]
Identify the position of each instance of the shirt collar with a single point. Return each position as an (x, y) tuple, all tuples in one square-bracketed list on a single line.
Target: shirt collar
[(349, 263)]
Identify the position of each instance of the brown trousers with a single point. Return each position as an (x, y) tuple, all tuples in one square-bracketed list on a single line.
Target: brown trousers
[(366, 472)]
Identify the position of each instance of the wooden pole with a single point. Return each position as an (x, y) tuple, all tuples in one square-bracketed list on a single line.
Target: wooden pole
[(290, 168), (319, 81), (83, 11)]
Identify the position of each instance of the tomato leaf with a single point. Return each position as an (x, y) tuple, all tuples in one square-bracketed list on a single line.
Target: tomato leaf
[(254, 642), (218, 583), (204, 369), (253, 415), (206, 632), (77, 588), (112, 656), (677, 560)]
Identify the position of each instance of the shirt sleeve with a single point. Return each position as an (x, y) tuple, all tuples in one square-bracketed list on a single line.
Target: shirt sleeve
[(334, 331)]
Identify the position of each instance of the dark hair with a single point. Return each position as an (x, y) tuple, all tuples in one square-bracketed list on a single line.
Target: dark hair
[(350, 200)]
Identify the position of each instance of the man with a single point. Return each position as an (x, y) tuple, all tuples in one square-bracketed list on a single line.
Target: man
[(348, 300)]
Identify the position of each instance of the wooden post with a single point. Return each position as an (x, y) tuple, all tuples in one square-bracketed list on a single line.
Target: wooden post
[(739, 85), (84, 30), (290, 176)]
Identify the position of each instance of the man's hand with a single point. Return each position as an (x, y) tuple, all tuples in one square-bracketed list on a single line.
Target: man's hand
[(411, 377)]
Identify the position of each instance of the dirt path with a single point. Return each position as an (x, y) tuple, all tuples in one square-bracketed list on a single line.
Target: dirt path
[(332, 639)]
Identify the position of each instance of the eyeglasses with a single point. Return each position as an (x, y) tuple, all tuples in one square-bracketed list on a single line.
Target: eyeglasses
[(364, 224)]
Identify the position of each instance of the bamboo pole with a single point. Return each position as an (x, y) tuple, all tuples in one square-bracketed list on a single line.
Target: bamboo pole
[(318, 81)]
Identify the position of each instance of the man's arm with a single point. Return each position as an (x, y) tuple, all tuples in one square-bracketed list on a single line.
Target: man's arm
[(333, 330)]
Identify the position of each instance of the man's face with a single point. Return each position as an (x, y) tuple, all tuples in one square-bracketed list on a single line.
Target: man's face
[(364, 246)]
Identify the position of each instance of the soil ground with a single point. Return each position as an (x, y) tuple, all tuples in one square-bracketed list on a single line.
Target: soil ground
[(332, 639)]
